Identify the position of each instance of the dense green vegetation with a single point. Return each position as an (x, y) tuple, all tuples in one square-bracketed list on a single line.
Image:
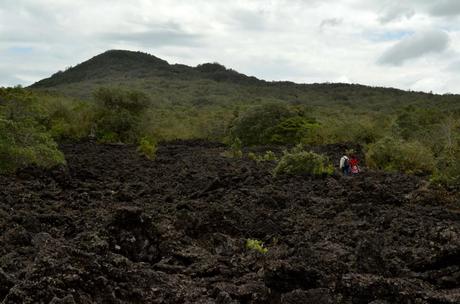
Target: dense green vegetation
[(392, 154), (272, 124), (136, 98), (24, 138), (117, 114)]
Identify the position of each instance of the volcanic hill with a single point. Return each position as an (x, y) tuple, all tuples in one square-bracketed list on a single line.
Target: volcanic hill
[(216, 84)]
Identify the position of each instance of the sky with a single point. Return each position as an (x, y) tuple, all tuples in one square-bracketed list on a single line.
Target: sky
[(411, 45)]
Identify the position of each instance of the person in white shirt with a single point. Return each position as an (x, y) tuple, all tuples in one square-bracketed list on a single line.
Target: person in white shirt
[(345, 165)]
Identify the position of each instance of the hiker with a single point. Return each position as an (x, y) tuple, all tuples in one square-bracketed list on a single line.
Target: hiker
[(345, 165), (354, 165)]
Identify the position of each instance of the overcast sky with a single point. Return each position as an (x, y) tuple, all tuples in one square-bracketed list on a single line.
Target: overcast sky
[(411, 44)]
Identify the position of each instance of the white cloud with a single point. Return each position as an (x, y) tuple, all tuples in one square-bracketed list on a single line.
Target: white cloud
[(297, 40)]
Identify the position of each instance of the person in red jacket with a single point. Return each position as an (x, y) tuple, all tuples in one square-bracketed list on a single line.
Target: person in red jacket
[(354, 164)]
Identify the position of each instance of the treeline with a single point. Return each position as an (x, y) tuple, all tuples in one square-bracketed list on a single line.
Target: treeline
[(412, 139), (32, 123)]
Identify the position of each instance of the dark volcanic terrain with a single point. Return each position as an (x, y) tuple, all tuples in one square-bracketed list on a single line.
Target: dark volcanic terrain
[(117, 228)]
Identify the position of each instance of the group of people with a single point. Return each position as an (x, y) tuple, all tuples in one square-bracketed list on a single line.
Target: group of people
[(349, 165)]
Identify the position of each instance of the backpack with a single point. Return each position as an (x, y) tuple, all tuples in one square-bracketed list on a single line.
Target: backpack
[(346, 163)]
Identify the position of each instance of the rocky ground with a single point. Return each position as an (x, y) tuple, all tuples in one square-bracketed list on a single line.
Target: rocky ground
[(117, 228)]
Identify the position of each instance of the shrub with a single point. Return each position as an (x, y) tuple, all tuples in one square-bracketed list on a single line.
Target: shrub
[(62, 117), (267, 156), (392, 155), (448, 169), (256, 245), (148, 147), (255, 125), (114, 98), (118, 114), (298, 161), (450, 176), (292, 130), (23, 144), (235, 149), (270, 123), (69, 119), (413, 122), (20, 106), (24, 131), (253, 156), (345, 128), (117, 126)]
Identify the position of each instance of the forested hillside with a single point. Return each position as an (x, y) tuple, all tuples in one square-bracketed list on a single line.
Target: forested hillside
[(213, 84)]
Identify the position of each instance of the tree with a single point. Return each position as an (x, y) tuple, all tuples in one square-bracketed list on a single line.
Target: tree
[(272, 123)]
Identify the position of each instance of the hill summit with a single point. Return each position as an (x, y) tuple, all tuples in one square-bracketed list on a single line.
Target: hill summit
[(116, 64)]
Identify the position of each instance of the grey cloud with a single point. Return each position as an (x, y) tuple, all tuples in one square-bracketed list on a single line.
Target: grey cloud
[(38, 23), (445, 8), (330, 22), (396, 12), (249, 19), (10, 80), (415, 46), (453, 67), (274, 69), (155, 38), (12, 73), (392, 10)]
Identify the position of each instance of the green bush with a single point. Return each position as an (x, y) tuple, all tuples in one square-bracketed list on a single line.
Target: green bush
[(337, 128), (299, 161), (267, 156), (414, 122), (253, 156), (62, 117), (270, 124), (397, 155), (448, 168), (115, 98), (449, 176), (292, 130), (235, 149), (20, 105), (148, 147), (68, 119), (118, 114), (117, 126), (23, 144)]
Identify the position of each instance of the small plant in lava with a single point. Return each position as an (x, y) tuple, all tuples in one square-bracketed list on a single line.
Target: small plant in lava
[(235, 149), (148, 147), (256, 245), (268, 156)]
